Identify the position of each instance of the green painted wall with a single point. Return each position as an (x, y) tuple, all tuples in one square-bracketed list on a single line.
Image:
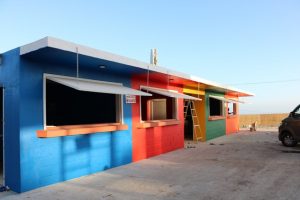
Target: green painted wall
[(214, 128)]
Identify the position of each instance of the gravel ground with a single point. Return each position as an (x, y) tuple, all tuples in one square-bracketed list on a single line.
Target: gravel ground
[(247, 165)]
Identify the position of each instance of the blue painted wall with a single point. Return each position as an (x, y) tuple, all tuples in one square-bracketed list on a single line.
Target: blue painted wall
[(10, 80), (215, 128), (46, 161)]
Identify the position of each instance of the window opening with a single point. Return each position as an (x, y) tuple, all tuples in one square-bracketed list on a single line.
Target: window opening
[(215, 107), (231, 108), (67, 106), (158, 107), (188, 122)]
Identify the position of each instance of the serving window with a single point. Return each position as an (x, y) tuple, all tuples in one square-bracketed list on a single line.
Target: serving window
[(82, 106), (158, 107), (231, 108), (68, 106), (215, 107)]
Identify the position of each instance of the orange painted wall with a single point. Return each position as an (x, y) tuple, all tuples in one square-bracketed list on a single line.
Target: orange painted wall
[(232, 121), (148, 142)]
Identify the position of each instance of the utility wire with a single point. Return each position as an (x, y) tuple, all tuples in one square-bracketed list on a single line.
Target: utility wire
[(267, 82)]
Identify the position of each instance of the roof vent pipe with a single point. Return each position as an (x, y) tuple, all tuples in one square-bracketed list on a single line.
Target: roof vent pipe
[(153, 57)]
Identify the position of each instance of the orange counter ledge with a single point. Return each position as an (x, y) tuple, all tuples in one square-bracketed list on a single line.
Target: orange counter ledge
[(213, 118), (58, 131), (155, 123)]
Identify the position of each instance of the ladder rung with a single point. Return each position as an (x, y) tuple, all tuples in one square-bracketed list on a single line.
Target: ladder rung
[(196, 124)]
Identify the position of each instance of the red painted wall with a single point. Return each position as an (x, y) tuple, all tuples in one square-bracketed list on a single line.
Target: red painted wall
[(232, 121), (148, 142)]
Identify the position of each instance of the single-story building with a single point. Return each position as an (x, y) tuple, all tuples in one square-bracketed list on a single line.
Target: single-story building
[(69, 110)]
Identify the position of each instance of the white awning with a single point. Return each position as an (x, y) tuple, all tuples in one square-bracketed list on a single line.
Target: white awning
[(236, 101), (96, 86), (225, 100), (169, 93)]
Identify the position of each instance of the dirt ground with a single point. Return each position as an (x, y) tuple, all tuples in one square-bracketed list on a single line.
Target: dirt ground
[(247, 165)]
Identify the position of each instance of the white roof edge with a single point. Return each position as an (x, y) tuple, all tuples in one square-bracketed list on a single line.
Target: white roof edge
[(39, 44), (88, 51), (212, 83), (83, 50)]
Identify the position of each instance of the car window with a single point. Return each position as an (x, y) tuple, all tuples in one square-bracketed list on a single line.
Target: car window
[(297, 111)]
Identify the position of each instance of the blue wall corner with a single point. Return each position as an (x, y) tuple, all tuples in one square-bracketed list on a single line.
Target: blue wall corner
[(10, 80)]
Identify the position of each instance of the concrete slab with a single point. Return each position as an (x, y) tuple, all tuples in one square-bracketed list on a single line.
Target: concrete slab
[(247, 165)]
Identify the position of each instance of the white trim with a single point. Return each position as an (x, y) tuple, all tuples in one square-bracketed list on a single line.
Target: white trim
[(119, 103), (39, 44), (84, 50), (80, 79), (44, 101), (122, 108)]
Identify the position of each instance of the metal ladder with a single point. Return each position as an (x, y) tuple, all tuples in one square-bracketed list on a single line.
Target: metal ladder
[(195, 120)]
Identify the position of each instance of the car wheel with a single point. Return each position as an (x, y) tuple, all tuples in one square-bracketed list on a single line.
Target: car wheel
[(288, 140)]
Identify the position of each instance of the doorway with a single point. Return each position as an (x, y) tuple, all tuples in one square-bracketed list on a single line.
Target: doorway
[(188, 121), (1, 136)]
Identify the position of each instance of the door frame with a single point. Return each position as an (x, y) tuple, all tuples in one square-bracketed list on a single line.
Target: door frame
[(188, 109)]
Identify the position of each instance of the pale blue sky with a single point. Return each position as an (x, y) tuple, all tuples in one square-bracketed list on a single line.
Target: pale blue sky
[(231, 42)]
